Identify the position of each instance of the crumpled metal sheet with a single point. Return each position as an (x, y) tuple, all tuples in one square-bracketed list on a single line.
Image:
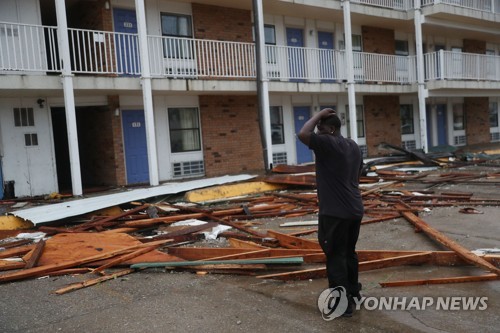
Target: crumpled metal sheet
[(54, 212)]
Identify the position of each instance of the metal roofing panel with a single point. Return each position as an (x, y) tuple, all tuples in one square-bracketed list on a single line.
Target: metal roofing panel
[(54, 212)]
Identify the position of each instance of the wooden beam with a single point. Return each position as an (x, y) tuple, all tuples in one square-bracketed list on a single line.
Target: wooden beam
[(282, 261), (449, 243), (88, 283), (126, 257), (314, 273), (16, 251), (292, 242), (7, 265), (238, 243), (460, 279), (35, 254), (412, 259)]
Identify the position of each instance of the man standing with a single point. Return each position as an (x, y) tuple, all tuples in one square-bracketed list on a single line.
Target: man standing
[(338, 167)]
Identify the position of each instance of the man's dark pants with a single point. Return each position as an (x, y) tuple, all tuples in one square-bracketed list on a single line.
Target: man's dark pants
[(338, 238)]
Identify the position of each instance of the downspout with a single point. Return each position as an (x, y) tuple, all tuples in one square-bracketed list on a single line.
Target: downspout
[(69, 98), (351, 92), (262, 85), (147, 94), (422, 90)]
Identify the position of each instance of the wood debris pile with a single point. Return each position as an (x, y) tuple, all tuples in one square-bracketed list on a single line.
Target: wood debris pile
[(144, 236)]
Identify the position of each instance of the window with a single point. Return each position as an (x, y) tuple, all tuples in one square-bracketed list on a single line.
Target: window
[(402, 48), (406, 114), (24, 117), (30, 139), (458, 117), (175, 25), (184, 128), (356, 43), (494, 114), (360, 121), (270, 39), (277, 133)]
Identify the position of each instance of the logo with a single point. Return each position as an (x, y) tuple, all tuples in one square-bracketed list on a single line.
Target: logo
[(332, 303), (422, 303)]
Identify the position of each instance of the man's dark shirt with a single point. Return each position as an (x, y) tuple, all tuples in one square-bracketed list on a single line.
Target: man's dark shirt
[(338, 163)]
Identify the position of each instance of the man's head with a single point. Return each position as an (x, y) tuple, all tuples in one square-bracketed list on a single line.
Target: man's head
[(329, 125)]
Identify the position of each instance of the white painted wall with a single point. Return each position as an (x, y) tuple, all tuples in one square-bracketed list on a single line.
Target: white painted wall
[(32, 168)]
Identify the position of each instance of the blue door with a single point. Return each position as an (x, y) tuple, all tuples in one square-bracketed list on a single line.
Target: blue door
[(326, 57), (136, 151), (300, 115), (441, 124), (296, 58), (126, 44)]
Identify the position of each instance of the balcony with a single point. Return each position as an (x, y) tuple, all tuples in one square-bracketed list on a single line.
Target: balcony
[(31, 49), (489, 6)]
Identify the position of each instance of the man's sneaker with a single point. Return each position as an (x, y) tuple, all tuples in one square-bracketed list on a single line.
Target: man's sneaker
[(350, 307), (357, 295)]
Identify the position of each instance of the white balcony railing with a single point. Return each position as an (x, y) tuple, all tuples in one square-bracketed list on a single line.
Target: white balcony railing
[(461, 66), (28, 48), (384, 68), (101, 52), (32, 48), (186, 57), (402, 5), (491, 6)]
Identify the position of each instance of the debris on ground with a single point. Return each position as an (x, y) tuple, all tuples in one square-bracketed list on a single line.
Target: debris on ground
[(223, 230)]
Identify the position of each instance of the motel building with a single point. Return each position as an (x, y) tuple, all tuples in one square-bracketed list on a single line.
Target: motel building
[(123, 92)]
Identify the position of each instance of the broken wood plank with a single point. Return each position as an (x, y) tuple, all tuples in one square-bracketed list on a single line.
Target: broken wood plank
[(126, 257), (303, 233), (238, 243), (460, 279), (92, 282), (7, 265), (35, 254), (16, 251), (41, 270), (204, 253), (245, 255), (412, 259), (306, 274), (449, 243), (292, 242), (299, 224), (275, 261), (266, 242)]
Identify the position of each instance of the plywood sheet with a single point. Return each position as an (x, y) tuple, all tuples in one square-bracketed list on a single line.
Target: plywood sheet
[(67, 247)]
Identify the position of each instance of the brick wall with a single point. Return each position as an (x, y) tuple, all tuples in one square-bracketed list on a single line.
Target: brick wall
[(221, 23), (118, 161), (382, 122), (231, 136), (474, 46), (477, 123), (90, 15), (378, 40)]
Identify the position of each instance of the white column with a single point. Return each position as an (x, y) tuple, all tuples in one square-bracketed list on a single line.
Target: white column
[(147, 94), (350, 70), (263, 84), (69, 98), (422, 90)]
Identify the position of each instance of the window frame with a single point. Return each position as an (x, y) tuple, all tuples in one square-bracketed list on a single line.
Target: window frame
[(195, 130), (277, 126)]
